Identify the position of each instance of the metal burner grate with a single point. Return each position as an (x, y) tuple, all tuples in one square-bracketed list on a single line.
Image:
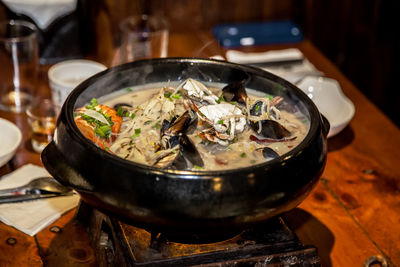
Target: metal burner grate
[(269, 244)]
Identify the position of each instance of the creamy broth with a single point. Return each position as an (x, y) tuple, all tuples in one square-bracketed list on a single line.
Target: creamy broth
[(226, 134)]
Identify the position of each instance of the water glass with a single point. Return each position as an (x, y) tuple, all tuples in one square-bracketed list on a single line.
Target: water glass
[(143, 37), (19, 64)]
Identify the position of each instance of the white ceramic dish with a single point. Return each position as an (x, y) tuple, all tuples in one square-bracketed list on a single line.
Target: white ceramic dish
[(11, 138), (329, 98), (66, 75)]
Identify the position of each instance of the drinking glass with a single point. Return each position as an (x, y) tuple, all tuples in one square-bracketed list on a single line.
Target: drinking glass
[(42, 117), (143, 37), (19, 64)]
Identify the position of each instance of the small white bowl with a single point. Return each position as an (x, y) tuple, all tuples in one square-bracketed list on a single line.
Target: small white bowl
[(330, 100), (66, 75), (11, 138)]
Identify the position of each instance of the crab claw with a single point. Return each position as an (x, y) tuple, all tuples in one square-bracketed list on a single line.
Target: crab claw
[(198, 91)]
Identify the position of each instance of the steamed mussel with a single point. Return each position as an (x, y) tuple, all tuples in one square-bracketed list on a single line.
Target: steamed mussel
[(178, 151), (235, 91), (182, 156), (269, 129)]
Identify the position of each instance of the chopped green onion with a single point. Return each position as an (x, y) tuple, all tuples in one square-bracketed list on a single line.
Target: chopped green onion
[(243, 155), (167, 95), (103, 131), (221, 121), (120, 111), (176, 96), (147, 122), (128, 89), (137, 132), (197, 167), (93, 103), (86, 117), (269, 96), (133, 115), (220, 99)]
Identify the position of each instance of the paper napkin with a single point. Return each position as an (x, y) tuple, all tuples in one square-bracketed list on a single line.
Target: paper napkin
[(31, 217), (291, 72)]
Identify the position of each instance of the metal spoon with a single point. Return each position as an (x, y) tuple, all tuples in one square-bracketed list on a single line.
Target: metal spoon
[(46, 184)]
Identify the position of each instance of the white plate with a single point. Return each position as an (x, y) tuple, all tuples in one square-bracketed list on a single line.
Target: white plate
[(329, 98), (11, 138)]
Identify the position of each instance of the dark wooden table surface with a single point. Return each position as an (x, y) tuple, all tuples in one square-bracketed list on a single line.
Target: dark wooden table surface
[(352, 214)]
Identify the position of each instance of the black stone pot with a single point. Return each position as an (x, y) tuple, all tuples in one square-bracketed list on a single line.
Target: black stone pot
[(184, 201)]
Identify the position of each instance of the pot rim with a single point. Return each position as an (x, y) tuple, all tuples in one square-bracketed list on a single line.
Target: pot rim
[(315, 121)]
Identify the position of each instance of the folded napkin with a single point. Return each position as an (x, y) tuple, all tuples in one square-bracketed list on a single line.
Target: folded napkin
[(32, 216), (291, 72)]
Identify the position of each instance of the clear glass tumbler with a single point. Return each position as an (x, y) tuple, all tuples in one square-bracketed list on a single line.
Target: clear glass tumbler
[(19, 64), (143, 37)]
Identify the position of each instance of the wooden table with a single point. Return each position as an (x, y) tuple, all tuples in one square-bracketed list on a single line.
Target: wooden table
[(352, 214)]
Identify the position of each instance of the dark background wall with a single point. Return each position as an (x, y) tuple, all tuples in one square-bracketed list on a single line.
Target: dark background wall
[(361, 36)]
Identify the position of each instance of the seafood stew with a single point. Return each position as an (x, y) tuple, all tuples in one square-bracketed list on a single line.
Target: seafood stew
[(188, 201), (193, 126)]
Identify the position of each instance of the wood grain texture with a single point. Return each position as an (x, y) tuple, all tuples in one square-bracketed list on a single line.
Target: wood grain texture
[(352, 214), (17, 248), (69, 246), (321, 221)]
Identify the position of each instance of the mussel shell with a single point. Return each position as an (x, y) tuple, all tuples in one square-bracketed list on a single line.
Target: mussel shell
[(186, 158), (256, 109), (180, 125), (270, 129), (122, 105), (188, 155), (269, 153), (235, 91), (173, 141), (164, 126)]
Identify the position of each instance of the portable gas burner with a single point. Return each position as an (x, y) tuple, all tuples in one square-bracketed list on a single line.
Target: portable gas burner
[(115, 243)]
